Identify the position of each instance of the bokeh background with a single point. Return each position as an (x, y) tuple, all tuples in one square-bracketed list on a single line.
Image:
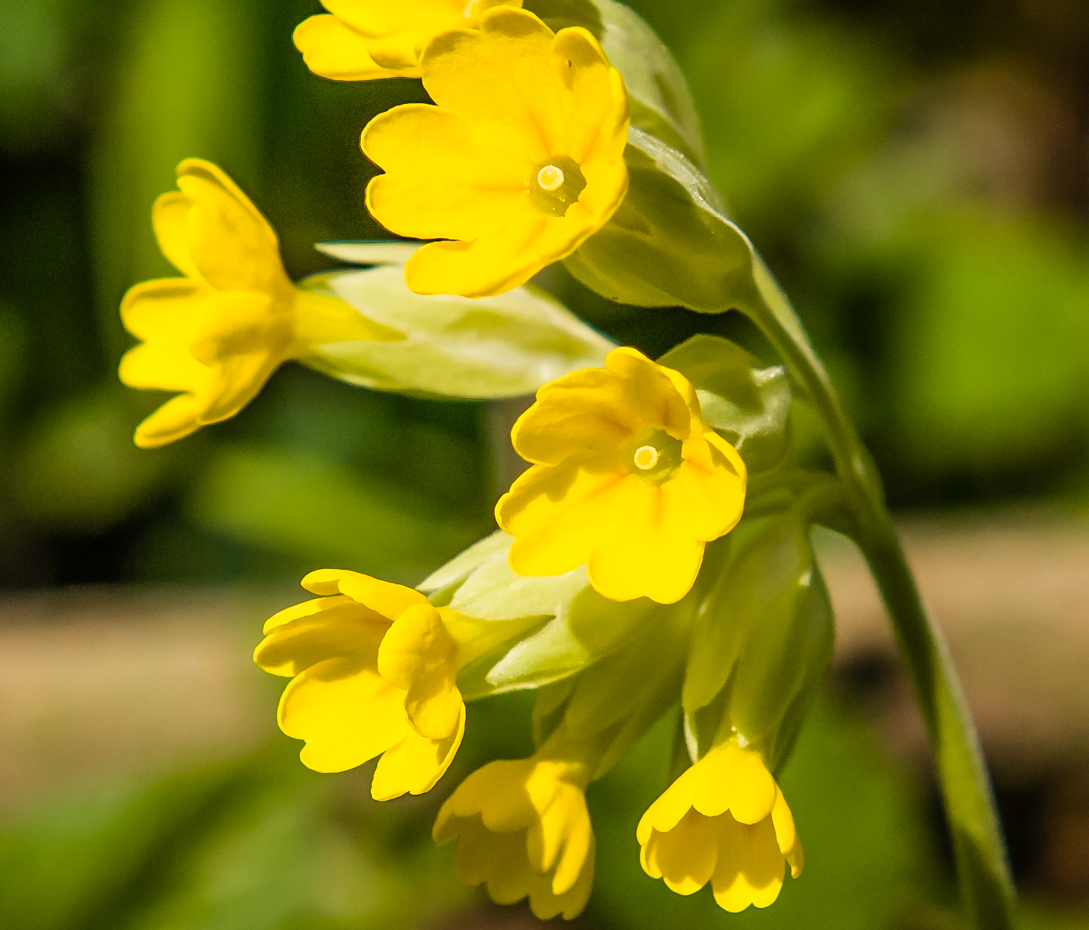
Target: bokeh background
[(917, 175)]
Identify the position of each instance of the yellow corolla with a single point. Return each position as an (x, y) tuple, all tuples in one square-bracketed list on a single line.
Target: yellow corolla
[(372, 667), (523, 828), (626, 479), (521, 160), (725, 821), (217, 334), (361, 40)]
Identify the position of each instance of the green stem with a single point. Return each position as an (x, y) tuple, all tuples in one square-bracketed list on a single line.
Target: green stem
[(980, 851)]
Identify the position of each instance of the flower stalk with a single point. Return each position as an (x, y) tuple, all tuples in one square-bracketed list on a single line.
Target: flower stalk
[(979, 848)]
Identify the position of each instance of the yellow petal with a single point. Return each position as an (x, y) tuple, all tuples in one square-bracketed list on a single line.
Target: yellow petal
[(161, 367), (503, 77), (650, 554), (653, 391), (333, 49), (754, 790), (786, 834), (420, 656), (666, 812), (687, 854), (174, 420), (230, 247), (346, 713), (389, 599), (170, 220), (559, 515), (382, 18), (415, 764), (505, 258), (598, 121), (582, 414), (332, 628), (709, 501), (163, 309)]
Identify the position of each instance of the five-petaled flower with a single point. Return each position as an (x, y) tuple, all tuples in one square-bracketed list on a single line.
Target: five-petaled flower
[(523, 829), (217, 334), (724, 820), (373, 672), (362, 40), (520, 161), (626, 479)]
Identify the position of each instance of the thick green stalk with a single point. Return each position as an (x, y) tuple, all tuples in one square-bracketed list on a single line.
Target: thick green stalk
[(985, 882)]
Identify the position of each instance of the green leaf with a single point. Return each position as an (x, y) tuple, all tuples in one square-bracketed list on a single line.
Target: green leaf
[(501, 346), (670, 242), (749, 404), (660, 101)]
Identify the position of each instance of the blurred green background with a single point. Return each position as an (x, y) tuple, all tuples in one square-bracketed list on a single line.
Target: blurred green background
[(917, 175)]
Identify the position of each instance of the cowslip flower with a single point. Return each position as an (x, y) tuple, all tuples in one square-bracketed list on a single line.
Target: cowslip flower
[(372, 670), (519, 162), (626, 479), (523, 829), (363, 40), (724, 820), (218, 333)]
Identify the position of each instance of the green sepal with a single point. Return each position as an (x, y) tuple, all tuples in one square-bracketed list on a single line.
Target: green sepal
[(558, 624), (502, 346), (762, 640), (657, 93), (670, 242), (748, 403)]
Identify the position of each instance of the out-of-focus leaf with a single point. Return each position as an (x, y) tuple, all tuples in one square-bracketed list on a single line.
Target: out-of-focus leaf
[(188, 85), (657, 92), (78, 469), (499, 346), (992, 348), (322, 515), (81, 861), (748, 403)]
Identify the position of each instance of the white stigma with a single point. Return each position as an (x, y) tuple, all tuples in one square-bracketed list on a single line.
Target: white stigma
[(646, 457), (550, 178)]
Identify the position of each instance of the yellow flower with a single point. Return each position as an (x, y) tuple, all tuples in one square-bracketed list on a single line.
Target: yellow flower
[(521, 160), (724, 820), (523, 828), (372, 668), (218, 333), (361, 40), (626, 479)]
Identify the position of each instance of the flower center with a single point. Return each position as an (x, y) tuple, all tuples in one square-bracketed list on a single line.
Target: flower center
[(550, 177), (646, 457), (653, 455), (555, 185)]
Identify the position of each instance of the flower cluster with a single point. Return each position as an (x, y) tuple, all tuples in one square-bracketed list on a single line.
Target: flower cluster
[(619, 558)]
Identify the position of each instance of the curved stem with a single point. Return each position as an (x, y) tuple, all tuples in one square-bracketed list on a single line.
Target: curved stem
[(966, 791)]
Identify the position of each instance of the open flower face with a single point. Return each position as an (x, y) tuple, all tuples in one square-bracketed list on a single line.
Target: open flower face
[(361, 40), (520, 161), (372, 668), (217, 334), (724, 821), (523, 828), (626, 480)]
